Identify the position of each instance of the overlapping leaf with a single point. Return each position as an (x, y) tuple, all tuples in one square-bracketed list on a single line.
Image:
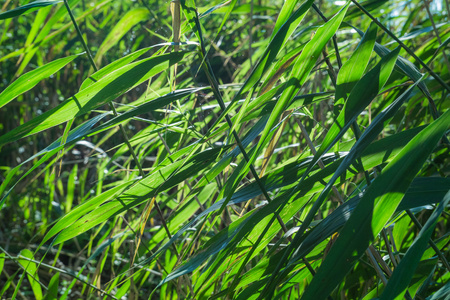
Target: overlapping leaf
[(25, 8), (375, 209), (97, 94), (29, 80)]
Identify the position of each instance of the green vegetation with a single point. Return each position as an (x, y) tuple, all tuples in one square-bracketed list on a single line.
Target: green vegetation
[(224, 149)]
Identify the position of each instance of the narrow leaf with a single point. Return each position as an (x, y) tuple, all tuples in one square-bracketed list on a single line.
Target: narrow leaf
[(103, 91), (375, 209), (362, 94), (128, 21), (29, 80), (403, 273), (24, 8), (353, 69)]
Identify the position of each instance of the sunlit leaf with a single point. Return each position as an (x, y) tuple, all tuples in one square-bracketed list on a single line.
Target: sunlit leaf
[(25, 8), (29, 80)]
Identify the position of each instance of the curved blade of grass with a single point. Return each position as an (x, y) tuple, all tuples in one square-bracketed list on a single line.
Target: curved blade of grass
[(2, 261), (147, 187), (283, 177), (368, 136), (362, 94), (103, 91), (402, 64), (284, 15), (53, 288), (25, 8), (29, 80), (31, 269), (225, 17), (403, 273), (303, 67), (442, 293), (353, 69), (375, 209), (117, 64), (128, 21), (38, 21)]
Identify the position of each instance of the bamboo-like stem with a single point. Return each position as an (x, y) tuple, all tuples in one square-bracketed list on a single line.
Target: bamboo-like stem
[(175, 8), (114, 111), (388, 247)]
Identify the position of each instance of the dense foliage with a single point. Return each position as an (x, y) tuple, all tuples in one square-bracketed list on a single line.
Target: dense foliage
[(224, 149)]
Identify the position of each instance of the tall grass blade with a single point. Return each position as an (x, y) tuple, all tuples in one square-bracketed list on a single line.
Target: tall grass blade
[(26, 8), (403, 273), (375, 209), (99, 93), (29, 80), (128, 21)]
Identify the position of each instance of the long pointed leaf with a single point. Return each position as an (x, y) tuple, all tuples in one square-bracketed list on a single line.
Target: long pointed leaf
[(375, 209), (399, 281), (103, 91), (29, 80)]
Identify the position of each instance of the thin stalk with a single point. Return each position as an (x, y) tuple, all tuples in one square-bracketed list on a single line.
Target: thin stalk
[(336, 49), (389, 247), (432, 244), (250, 40), (378, 270), (175, 8), (71, 274), (319, 162), (114, 111), (397, 257), (448, 9), (430, 16), (333, 77), (410, 52), (215, 88)]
